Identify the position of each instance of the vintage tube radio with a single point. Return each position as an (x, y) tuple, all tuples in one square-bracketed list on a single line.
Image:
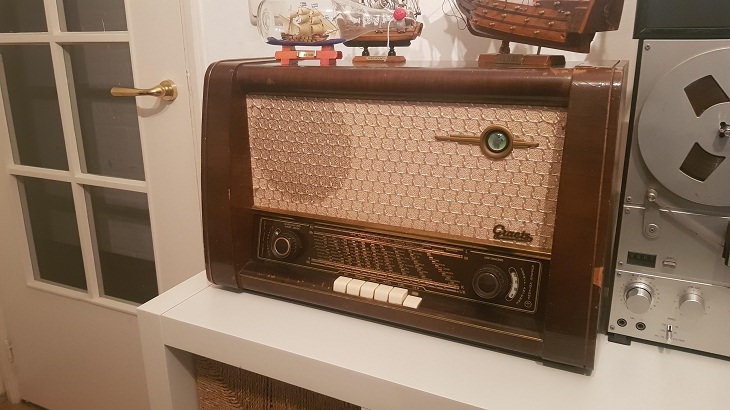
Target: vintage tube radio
[(471, 203)]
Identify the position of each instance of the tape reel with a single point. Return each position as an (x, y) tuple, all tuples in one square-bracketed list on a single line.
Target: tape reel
[(680, 129)]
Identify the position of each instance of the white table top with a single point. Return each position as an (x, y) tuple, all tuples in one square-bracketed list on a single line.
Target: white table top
[(383, 367)]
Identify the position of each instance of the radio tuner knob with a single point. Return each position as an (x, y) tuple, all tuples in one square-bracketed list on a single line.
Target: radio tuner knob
[(639, 297), (489, 282), (691, 305), (285, 245)]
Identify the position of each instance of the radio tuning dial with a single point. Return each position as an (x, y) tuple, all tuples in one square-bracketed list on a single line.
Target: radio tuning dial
[(691, 305), (639, 297), (285, 244), (489, 282)]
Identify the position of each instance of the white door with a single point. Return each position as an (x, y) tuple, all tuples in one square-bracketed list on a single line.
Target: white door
[(99, 203)]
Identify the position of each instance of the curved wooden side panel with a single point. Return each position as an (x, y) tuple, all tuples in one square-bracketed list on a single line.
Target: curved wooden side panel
[(587, 205), (222, 121)]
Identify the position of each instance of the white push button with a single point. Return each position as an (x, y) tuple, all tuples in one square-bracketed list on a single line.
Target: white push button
[(353, 287), (340, 284), (397, 296), (368, 290), (412, 301), (382, 292)]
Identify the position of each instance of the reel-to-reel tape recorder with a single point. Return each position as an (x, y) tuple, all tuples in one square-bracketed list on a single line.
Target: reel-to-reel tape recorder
[(672, 282)]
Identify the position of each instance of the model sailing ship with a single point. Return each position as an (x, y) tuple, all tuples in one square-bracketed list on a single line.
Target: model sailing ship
[(562, 24), (357, 23), (291, 24), (391, 33), (307, 26)]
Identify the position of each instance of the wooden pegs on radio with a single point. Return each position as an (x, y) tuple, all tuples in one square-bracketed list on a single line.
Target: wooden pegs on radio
[(495, 141)]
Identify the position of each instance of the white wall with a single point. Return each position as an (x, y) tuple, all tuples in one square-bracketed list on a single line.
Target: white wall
[(225, 32)]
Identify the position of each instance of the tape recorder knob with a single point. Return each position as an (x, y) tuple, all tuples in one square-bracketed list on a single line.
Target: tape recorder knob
[(489, 282), (639, 297), (285, 245), (691, 305)]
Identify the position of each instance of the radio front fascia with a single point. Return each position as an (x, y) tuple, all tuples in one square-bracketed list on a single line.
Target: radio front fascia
[(563, 331)]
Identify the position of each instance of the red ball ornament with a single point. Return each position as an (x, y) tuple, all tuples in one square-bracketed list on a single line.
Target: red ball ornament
[(399, 13)]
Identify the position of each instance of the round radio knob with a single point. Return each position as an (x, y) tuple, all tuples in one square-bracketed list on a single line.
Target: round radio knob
[(638, 298), (489, 282), (691, 305), (285, 245)]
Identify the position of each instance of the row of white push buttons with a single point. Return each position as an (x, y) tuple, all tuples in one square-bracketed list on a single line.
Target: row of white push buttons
[(376, 291)]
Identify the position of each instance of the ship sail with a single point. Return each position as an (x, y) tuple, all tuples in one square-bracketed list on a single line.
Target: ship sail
[(395, 25), (290, 22), (392, 4), (383, 24), (308, 25)]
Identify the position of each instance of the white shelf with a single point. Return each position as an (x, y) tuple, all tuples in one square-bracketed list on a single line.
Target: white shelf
[(382, 367)]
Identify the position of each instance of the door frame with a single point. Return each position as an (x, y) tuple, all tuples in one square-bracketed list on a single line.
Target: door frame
[(8, 379), (190, 24)]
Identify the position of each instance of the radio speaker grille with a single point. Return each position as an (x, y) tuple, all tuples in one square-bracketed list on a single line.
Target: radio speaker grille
[(379, 162)]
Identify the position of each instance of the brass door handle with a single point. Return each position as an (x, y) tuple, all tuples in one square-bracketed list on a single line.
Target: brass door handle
[(166, 90)]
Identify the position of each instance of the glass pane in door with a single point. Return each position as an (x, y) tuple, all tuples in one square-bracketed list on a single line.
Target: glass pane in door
[(95, 15), (31, 105), (109, 126), (52, 232), (124, 244), (18, 16)]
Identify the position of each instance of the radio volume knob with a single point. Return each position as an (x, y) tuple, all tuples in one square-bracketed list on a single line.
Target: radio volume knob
[(489, 282), (691, 305), (285, 245), (638, 298)]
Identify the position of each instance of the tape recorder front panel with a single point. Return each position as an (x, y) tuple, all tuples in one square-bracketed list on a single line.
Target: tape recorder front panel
[(672, 282)]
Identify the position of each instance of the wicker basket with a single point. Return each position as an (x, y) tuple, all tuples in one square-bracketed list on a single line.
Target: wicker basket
[(224, 387)]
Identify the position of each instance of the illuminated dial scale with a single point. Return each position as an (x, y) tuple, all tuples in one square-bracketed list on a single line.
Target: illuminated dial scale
[(372, 265)]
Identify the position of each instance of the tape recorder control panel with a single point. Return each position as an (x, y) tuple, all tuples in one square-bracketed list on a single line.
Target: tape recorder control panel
[(672, 277)]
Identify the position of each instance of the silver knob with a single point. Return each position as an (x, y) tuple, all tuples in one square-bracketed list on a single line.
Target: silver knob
[(638, 298), (285, 244), (281, 247), (691, 305)]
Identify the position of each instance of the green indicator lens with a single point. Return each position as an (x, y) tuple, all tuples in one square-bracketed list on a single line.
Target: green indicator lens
[(497, 141)]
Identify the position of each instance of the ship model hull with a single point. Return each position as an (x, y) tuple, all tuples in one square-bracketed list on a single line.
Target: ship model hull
[(296, 38), (388, 35), (382, 38), (562, 24)]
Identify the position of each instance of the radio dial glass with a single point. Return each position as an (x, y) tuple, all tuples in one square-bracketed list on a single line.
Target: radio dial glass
[(496, 142)]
